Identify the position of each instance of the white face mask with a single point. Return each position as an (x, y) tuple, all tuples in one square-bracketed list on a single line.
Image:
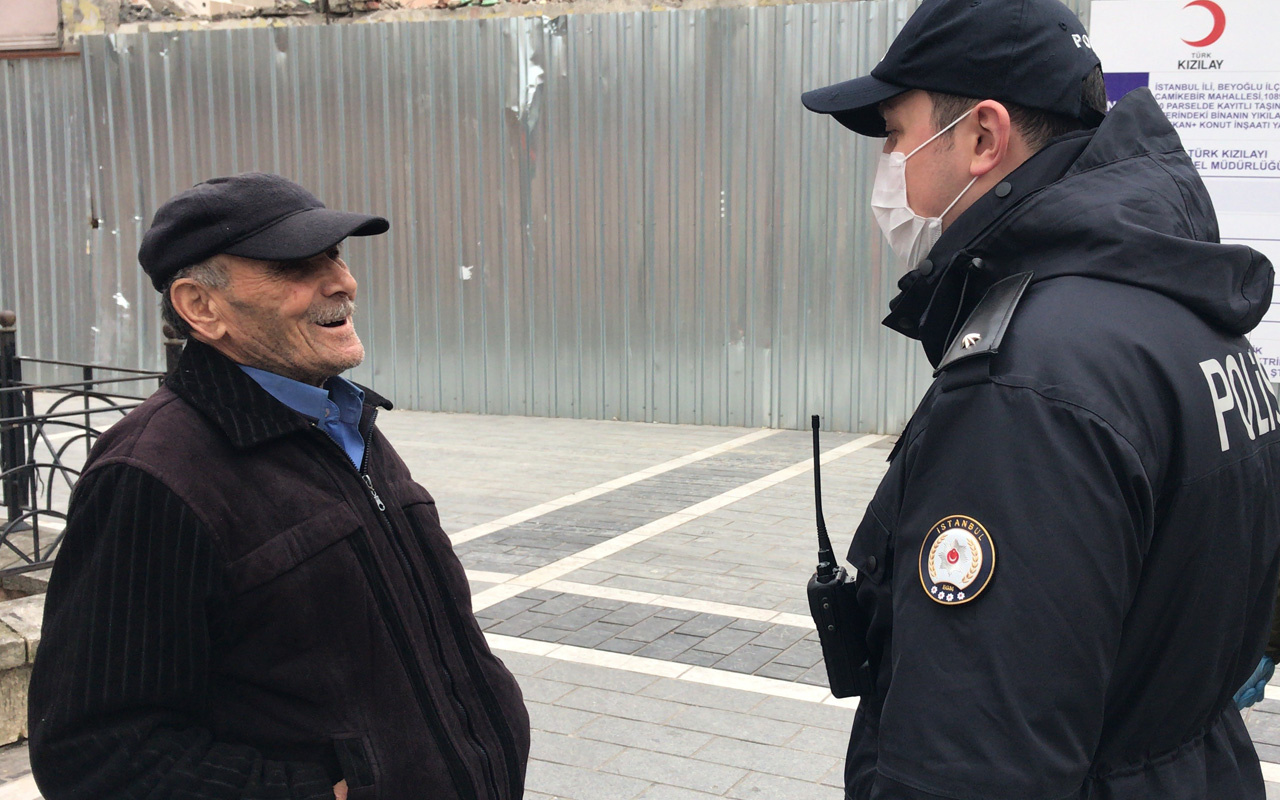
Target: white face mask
[(910, 235)]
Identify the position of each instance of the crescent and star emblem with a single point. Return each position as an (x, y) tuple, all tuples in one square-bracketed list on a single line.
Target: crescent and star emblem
[(957, 560), (1219, 22)]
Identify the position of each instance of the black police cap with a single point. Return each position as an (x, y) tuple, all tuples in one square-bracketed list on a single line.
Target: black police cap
[(254, 215), (1032, 53)]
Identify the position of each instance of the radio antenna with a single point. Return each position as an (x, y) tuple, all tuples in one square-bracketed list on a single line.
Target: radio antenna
[(826, 556)]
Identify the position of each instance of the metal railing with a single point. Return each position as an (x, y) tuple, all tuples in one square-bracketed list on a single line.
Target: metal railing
[(46, 433)]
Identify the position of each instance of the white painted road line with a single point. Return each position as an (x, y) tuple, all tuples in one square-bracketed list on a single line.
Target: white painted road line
[(486, 528), (1270, 772), (589, 556), (670, 669), (23, 788), (676, 601), (481, 576)]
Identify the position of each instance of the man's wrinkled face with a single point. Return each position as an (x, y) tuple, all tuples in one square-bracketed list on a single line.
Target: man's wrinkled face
[(293, 319), (937, 173)]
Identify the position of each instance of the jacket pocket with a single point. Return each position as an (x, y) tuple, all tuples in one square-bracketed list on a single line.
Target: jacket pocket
[(358, 766), (410, 493), (292, 546), (419, 508), (869, 552)]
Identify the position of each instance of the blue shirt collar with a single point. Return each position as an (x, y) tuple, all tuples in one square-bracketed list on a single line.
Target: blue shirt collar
[(312, 401)]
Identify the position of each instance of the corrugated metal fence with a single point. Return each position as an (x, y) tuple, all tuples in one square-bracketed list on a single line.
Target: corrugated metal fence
[(45, 238), (608, 216)]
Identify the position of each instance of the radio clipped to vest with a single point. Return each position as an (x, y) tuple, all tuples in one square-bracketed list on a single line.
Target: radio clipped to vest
[(842, 626)]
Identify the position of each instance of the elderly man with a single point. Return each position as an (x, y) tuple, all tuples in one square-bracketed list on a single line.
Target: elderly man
[(254, 599), (1070, 565)]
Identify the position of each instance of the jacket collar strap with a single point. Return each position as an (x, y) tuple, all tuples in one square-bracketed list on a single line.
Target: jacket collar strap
[(984, 330), (233, 401)]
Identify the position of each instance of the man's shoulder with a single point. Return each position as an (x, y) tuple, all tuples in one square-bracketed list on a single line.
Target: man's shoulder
[(1124, 355), (143, 455), (1078, 330), (1064, 334), (163, 430)]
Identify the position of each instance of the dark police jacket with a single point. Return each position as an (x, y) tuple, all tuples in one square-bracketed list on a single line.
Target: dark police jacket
[(1071, 563), (237, 612)]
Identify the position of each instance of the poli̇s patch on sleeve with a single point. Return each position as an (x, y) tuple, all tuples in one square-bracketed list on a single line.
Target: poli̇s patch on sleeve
[(957, 560)]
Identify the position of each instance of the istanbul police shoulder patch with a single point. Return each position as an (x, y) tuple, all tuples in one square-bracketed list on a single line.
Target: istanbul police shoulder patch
[(957, 560)]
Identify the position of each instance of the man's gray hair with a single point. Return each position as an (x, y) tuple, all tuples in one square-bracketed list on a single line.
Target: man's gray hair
[(210, 273)]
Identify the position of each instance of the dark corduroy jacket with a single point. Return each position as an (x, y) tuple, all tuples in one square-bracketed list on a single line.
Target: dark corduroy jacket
[(237, 612)]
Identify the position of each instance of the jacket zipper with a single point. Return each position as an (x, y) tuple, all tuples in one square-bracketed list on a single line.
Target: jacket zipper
[(369, 483), (396, 627), (398, 542), (492, 707)]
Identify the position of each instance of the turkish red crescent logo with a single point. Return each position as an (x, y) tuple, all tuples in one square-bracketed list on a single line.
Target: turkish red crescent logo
[(1219, 22)]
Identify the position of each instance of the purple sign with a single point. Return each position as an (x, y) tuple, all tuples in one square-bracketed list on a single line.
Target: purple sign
[(1121, 83)]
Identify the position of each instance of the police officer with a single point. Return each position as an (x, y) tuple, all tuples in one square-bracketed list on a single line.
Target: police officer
[(1070, 566)]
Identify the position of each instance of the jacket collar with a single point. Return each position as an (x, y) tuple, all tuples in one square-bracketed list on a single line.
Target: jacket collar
[(233, 401)]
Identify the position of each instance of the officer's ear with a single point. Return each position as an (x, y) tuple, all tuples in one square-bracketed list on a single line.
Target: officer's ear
[(992, 141)]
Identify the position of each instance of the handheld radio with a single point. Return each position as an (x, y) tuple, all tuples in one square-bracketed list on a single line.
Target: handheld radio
[(841, 624)]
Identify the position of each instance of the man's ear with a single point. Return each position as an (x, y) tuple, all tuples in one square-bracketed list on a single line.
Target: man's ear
[(993, 137), (198, 305)]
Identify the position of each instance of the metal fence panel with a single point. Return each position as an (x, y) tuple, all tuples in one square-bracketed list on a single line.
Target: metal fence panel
[(608, 216), (45, 209)]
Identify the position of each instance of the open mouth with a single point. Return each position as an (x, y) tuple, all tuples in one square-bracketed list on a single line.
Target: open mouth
[(335, 324)]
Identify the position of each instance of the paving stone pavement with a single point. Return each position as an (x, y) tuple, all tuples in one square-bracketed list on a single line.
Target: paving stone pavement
[(674, 665), (551, 536), (779, 651)]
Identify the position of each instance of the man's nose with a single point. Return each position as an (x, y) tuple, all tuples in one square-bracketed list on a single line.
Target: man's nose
[(339, 280)]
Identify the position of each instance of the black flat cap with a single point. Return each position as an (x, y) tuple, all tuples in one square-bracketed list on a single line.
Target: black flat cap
[(254, 215), (1033, 53)]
